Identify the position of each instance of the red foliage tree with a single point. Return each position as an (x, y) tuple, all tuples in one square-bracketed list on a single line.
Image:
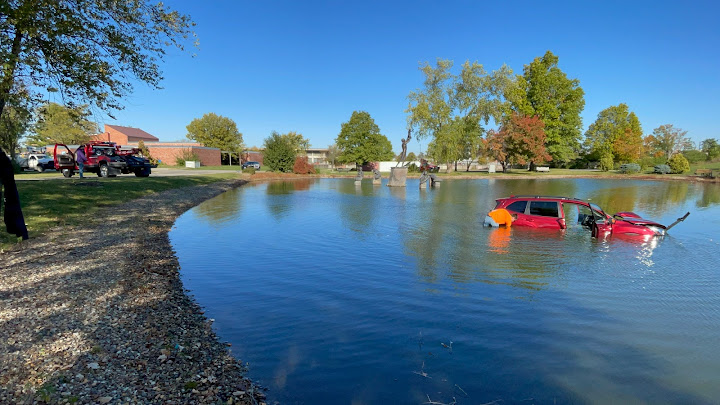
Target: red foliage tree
[(521, 140), (302, 166)]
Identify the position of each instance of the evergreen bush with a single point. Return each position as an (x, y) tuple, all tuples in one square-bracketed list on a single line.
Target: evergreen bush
[(629, 168), (678, 163)]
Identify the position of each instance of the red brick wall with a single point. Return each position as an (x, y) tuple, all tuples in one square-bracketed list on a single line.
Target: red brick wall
[(253, 156), (167, 152), (112, 136)]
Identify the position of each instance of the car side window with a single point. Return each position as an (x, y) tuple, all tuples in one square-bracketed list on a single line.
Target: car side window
[(517, 206), (544, 208)]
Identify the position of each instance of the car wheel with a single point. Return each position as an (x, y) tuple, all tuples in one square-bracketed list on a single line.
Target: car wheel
[(67, 172), (104, 170)]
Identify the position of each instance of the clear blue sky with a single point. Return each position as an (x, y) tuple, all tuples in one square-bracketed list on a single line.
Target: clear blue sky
[(305, 66)]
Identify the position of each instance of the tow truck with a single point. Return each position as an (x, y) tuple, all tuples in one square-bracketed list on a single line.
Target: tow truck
[(106, 159)]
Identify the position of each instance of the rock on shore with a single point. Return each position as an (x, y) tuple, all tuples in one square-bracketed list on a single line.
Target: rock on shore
[(96, 313)]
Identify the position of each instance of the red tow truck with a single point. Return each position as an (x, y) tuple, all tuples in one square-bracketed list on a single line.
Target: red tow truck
[(106, 159)]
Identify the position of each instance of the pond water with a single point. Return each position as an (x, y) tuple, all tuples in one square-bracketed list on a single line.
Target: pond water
[(343, 294)]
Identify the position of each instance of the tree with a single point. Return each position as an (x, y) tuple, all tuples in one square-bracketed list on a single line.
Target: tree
[(88, 51), (617, 132), (298, 142), (521, 140), (360, 140), (13, 124), (711, 148), (60, 124), (450, 109), (667, 140), (548, 93), (279, 154), (333, 153), (215, 131), (411, 157), (145, 152), (678, 163)]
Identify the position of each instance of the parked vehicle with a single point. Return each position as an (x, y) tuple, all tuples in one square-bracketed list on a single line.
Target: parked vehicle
[(35, 161), (256, 165), (106, 159), (555, 212)]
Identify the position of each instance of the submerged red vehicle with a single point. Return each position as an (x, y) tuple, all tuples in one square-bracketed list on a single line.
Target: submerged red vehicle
[(551, 212)]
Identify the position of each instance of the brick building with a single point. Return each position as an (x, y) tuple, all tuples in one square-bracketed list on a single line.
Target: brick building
[(124, 135), (166, 152)]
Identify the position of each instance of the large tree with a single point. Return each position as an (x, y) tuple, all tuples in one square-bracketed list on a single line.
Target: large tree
[(298, 142), (711, 148), (451, 109), (332, 154), (360, 140), (13, 124), (60, 124), (216, 131), (521, 140), (616, 132), (550, 95), (88, 50), (279, 154), (667, 140)]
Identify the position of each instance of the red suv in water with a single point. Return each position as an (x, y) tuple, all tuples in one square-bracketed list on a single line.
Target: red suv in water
[(555, 212)]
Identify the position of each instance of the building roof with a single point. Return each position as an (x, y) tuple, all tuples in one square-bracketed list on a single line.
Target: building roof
[(133, 132)]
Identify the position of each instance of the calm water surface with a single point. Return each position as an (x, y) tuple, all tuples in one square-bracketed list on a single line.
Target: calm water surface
[(344, 294)]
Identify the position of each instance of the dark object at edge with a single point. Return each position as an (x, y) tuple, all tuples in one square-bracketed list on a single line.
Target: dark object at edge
[(14, 220)]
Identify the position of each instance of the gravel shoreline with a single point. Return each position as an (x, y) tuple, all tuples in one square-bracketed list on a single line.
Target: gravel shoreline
[(96, 313)]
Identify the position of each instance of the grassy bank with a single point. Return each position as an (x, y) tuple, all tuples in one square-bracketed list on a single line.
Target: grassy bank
[(50, 204)]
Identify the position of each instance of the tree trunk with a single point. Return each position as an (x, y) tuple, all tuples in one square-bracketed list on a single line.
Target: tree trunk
[(8, 80)]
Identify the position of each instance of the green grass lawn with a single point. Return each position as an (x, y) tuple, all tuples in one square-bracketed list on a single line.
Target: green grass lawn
[(59, 201)]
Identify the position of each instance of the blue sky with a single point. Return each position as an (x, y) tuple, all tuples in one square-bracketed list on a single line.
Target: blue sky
[(305, 66)]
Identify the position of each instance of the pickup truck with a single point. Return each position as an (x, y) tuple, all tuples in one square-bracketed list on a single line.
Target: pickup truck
[(106, 159), (34, 161)]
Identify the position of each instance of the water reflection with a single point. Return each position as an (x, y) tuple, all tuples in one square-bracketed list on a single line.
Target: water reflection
[(710, 195), (655, 198), (288, 187), (282, 202), (223, 208), (542, 314)]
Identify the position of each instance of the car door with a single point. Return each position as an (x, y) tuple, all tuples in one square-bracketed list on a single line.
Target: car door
[(63, 157), (544, 214)]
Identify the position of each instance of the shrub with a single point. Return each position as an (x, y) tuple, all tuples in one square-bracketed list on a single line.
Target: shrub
[(678, 163), (694, 156), (302, 166), (279, 155), (412, 168), (606, 162), (662, 169), (145, 152), (249, 170), (628, 168), (186, 155)]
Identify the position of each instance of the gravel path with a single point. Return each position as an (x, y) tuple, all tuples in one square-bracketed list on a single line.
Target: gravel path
[(97, 314)]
